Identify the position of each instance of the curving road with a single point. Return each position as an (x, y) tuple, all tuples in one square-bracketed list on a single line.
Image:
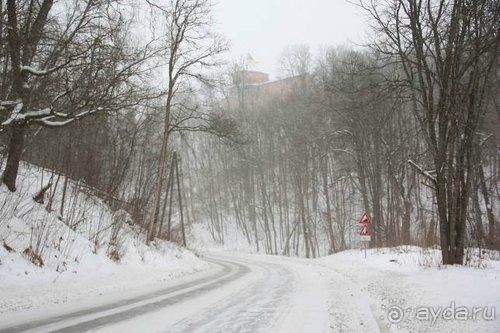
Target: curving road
[(247, 293)]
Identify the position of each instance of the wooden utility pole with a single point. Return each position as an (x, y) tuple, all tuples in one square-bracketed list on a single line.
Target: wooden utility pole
[(179, 195), (169, 222), (168, 195)]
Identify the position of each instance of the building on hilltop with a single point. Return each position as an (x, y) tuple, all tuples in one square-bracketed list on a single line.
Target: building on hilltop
[(255, 88)]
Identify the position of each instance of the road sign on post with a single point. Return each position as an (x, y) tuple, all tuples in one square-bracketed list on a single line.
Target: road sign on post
[(365, 219), (366, 238), (365, 233)]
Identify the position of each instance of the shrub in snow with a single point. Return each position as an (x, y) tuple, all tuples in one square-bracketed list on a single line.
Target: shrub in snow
[(116, 240), (33, 257), (79, 235)]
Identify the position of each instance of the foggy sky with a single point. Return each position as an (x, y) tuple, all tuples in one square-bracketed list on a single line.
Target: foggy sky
[(263, 28)]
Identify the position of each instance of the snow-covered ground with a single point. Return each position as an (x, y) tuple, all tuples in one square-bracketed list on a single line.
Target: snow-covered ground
[(68, 273), (386, 290), (88, 252), (345, 292), (234, 240), (404, 290)]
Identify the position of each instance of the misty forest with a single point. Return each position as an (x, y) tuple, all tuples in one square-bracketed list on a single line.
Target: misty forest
[(129, 135)]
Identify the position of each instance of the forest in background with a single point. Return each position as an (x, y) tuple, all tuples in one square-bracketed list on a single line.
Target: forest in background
[(405, 129)]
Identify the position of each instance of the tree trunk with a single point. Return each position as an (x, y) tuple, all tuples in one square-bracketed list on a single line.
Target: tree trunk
[(326, 192), (168, 192), (405, 227), (489, 210), (179, 196), (16, 145)]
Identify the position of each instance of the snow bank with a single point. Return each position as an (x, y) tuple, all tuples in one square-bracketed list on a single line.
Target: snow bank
[(46, 258), (409, 279)]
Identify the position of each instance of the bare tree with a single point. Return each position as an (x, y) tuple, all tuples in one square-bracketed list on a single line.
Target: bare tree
[(63, 68), (447, 50), (191, 49)]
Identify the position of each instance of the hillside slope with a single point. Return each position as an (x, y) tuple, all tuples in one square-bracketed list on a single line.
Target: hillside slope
[(47, 258)]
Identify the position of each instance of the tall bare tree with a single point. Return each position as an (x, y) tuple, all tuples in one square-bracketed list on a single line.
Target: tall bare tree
[(192, 48), (447, 50), (62, 68)]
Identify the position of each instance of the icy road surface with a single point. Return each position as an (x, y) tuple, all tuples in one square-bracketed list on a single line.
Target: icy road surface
[(243, 293)]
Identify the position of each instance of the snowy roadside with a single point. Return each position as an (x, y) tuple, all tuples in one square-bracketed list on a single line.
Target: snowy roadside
[(88, 254), (392, 289), (38, 288), (385, 291), (23, 305)]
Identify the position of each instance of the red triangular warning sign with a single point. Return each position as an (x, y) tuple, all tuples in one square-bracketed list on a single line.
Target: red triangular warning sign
[(365, 219), (365, 231)]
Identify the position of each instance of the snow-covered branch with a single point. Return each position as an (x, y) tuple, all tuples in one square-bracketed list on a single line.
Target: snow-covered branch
[(5, 104), (15, 116), (45, 117), (420, 170), (34, 71), (42, 72), (51, 121)]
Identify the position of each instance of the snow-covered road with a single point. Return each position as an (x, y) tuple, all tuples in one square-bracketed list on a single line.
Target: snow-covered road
[(243, 293), (261, 293)]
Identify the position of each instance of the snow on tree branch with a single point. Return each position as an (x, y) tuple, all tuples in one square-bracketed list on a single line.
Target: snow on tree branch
[(5, 104), (423, 172), (34, 71), (50, 121), (45, 117), (42, 72), (15, 115)]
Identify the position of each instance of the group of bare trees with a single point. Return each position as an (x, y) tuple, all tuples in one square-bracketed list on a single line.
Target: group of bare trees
[(89, 91), (448, 52), (406, 130), (64, 61), (192, 48)]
